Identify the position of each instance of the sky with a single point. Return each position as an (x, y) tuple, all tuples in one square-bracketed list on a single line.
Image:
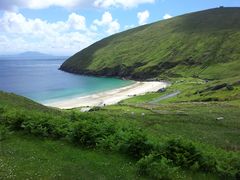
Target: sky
[(64, 27)]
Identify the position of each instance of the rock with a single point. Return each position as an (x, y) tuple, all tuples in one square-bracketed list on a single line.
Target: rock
[(95, 108), (230, 87), (162, 90), (219, 86), (86, 109), (220, 118)]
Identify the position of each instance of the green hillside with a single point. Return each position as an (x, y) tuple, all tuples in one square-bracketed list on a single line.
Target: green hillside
[(203, 44), (173, 140)]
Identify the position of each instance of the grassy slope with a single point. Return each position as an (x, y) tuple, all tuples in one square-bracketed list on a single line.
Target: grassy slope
[(183, 116), (28, 157), (204, 44), (15, 101), (24, 156)]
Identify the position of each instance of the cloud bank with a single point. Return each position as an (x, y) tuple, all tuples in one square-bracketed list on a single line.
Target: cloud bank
[(66, 37), (167, 16), (19, 33), (120, 3), (112, 25), (143, 17), (14, 5)]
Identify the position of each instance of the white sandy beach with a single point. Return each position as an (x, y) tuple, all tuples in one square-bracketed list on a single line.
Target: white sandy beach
[(109, 97)]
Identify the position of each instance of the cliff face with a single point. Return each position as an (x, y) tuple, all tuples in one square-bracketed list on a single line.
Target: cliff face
[(200, 44)]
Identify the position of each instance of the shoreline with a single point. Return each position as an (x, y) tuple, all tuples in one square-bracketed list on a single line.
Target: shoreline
[(109, 97)]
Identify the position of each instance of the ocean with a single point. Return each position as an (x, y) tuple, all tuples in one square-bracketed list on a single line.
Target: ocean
[(41, 81)]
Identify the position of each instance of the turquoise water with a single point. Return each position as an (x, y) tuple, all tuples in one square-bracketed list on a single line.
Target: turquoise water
[(40, 80)]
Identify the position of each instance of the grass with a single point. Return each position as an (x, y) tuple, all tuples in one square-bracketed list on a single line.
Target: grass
[(187, 114), (195, 121), (202, 44), (28, 157), (180, 116)]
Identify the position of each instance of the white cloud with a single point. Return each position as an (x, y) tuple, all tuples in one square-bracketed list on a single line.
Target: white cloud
[(143, 17), (120, 3), (107, 21), (93, 27), (114, 27), (77, 22), (41, 4), (167, 16), (129, 27), (18, 33), (12, 22)]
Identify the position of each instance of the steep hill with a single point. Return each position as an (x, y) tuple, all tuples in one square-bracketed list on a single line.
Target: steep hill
[(204, 44)]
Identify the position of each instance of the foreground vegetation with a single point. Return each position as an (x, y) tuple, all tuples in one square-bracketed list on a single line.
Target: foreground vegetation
[(171, 143), (24, 156)]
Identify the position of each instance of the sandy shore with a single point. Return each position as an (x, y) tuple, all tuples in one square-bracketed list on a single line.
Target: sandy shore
[(109, 97)]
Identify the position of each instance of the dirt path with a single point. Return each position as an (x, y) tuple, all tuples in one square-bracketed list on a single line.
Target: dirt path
[(167, 96)]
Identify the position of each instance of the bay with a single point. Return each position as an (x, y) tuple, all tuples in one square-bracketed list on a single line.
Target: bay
[(40, 80)]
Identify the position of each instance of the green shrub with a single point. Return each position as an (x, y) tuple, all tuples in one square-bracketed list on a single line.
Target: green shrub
[(47, 126), (90, 133), (228, 166), (73, 116), (106, 135), (208, 163), (158, 167), (2, 110), (3, 132), (134, 142), (14, 119), (185, 154)]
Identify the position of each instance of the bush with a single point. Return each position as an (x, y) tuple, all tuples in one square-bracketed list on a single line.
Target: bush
[(36, 123), (90, 133), (46, 126), (185, 154), (228, 166), (127, 140), (134, 142), (14, 119), (158, 167), (3, 132), (2, 110), (106, 135)]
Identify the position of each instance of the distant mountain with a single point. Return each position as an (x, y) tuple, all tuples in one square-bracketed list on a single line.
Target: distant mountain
[(34, 54), (31, 55), (203, 44)]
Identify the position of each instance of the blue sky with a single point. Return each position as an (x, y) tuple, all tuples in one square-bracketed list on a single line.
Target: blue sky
[(63, 27)]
